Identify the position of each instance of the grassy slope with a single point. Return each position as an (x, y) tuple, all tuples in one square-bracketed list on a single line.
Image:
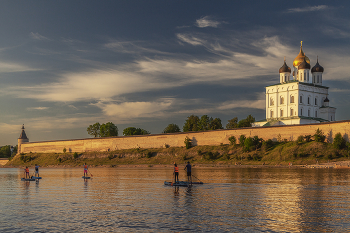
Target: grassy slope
[(280, 153)]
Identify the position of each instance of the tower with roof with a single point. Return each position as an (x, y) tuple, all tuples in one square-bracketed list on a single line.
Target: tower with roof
[(300, 100), (22, 138)]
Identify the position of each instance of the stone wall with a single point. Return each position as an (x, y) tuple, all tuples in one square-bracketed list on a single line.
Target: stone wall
[(216, 137)]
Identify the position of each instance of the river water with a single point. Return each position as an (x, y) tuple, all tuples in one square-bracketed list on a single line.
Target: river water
[(136, 200)]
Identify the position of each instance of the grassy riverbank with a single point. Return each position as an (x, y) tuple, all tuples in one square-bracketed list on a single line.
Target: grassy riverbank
[(280, 153)]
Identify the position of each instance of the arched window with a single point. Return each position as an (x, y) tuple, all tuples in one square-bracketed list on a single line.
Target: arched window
[(331, 118), (315, 101), (272, 102), (301, 76), (301, 112), (314, 78), (291, 112), (281, 112), (308, 100), (292, 99), (318, 78), (271, 114), (282, 100), (315, 113), (301, 99)]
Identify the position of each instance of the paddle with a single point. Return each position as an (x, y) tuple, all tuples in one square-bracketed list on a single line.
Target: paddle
[(90, 173), (197, 178)]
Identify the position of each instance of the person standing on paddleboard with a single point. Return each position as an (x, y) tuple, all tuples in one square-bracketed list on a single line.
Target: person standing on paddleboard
[(176, 172), (37, 170), (85, 169), (188, 168), (26, 171)]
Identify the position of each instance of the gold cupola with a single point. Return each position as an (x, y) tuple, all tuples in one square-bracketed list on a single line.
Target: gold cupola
[(300, 58)]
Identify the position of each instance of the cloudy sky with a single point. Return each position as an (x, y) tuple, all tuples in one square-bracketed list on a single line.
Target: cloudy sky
[(67, 64)]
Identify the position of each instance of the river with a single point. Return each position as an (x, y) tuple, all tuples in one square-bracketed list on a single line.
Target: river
[(136, 200)]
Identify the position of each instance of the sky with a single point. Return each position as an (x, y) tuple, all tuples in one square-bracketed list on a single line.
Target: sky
[(65, 65)]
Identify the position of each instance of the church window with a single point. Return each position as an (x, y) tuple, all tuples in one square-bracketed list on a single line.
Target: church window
[(292, 99), (307, 77), (318, 79), (308, 112), (281, 112), (314, 78), (282, 100), (315, 113), (331, 118), (315, 101), (301, 112), (272, 102), (308, 100), (291, 112), (301, 76), (301, 99), (271, 114)]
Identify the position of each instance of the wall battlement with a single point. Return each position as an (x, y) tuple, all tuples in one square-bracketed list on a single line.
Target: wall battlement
[(215, 137)]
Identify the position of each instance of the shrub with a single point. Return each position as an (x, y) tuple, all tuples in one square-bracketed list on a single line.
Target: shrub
[(111, 156), (227, 156), (59, 160), (307, 138), (199, 152), (248, 144), (211, 156), (188, 143), (300, 139), (64, 150), (232, 140), (149, 154), (184, 157), (25, 158), (339, 142), (319, 136), (241, 140), (75, 155), (257, 142), (267, 144)]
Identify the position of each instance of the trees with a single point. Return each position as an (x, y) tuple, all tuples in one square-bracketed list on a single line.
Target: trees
[(246, 122), (172, 128), (94, 130), (319, 136), (233, 123), (134, 131), (108, 130), (5, 151), (191, 124), (339, 142), (105, 130)]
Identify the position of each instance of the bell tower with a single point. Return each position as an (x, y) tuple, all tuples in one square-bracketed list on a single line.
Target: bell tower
[(22, 138)]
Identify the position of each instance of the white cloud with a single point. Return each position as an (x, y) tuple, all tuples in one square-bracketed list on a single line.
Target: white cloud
[(190, 39), (308, 9), (6, 67), (37, 36), (37, 108), (206, 21), (127, 110)]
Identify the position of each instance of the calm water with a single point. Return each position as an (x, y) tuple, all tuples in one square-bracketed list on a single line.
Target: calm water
[(131, 200)]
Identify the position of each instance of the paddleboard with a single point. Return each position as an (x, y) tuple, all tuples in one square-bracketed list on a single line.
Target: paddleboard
[(181, 183), (23, 179), (36, 177), (86, 177)]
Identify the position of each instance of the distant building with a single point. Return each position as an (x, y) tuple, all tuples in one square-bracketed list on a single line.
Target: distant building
[(22, 138), (300, 100)]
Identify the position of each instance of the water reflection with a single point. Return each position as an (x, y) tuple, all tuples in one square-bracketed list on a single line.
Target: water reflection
[(135, 199)]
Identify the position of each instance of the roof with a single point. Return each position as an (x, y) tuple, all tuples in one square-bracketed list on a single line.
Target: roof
[(297, 81)]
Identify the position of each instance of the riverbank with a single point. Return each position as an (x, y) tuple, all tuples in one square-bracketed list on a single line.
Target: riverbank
[(276, 154)]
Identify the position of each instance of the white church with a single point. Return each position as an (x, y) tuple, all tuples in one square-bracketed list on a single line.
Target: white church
[(301, 99)]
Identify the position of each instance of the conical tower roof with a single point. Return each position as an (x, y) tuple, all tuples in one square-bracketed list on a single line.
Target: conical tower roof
[(23, 134)]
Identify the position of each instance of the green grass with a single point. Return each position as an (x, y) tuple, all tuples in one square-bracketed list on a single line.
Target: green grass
[(280, 153)]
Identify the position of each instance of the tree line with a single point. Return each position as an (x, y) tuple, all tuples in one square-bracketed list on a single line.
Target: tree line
[(192, 123)]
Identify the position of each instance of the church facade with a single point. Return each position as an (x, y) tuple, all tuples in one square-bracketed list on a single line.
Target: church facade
[(299, 97)]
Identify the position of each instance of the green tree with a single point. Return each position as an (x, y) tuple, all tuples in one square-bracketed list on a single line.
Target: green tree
[(232, 140), (94, 130), (134, 131), (108, 130), (215, 124), (241, 140), (246, 122), (204, 123), (339, 142), (233, 123), (248, 144), (191, 124), (188, 142), (5, 151), (319, 136), (172, 128)]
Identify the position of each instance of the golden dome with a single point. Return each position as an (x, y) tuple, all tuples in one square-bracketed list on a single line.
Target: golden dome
[(300, 58)]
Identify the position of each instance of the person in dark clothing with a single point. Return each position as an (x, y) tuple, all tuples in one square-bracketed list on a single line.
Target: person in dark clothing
[(188, 168)]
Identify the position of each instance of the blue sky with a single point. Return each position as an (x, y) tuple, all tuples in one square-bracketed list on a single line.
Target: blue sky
[(67, 64)]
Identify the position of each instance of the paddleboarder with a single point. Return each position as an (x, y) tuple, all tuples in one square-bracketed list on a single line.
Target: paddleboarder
[(26, 171), (85, 169), (37, 170), (176, 172), (188, 168)]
